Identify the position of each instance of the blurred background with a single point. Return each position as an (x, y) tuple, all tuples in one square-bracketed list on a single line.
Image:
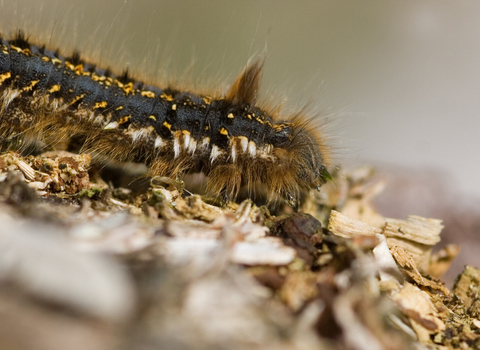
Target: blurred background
[(399, 79)]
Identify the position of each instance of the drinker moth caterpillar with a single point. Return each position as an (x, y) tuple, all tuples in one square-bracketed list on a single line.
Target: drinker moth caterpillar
[(234, 142)]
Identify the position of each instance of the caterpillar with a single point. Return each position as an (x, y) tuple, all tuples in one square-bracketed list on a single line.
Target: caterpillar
[(229, 137)]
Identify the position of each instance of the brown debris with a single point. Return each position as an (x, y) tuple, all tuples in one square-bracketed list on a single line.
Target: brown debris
[(302, 232), (59, 172), (466, 287)]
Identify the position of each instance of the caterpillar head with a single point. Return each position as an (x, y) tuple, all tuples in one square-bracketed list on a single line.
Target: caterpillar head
[(300, 150), (303, 158)]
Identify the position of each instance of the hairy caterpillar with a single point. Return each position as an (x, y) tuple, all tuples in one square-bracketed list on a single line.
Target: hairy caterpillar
[(44, 95)]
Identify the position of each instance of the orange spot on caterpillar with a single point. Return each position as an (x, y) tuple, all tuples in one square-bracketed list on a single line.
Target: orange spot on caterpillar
[(5, 76), (76, 99), (19, 50), (124, 119), (102, 104), (150, 94), (128, 88), (54, 88), (56, 61), (78, 69), (166, 97), (69, 65), (31, 85)]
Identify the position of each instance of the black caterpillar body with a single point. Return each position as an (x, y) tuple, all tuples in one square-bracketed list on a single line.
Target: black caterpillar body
[(46, 96)]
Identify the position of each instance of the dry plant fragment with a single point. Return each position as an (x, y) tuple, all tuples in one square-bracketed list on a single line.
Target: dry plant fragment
[(58, 172), (301, 232), (346, 227), (416, 229), (467, 286), (26, 169), (416, 235), (417, 305), (404, 259)]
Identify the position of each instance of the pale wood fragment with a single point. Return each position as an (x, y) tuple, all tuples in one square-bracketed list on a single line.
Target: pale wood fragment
[(415, 228), (418, 307), (346, 227), (416, 235)]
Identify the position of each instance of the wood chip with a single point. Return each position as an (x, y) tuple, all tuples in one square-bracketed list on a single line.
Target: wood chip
[(404, 259), (417, 305), (424, 282), (346, 227), (416, 235), (416, 229)]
